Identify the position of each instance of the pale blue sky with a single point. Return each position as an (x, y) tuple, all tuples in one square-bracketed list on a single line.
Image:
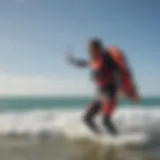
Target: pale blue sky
[(35, 34)]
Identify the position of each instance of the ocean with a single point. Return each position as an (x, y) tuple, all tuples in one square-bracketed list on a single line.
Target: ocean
[(51, 128)]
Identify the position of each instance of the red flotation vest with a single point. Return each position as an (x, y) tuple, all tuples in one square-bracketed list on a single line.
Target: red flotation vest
[(127, 84)]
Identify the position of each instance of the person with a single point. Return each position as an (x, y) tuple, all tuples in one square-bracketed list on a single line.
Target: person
[(107, 75)]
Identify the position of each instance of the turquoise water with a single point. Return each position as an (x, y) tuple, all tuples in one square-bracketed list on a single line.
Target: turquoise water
[(29, 103), (27, 123)]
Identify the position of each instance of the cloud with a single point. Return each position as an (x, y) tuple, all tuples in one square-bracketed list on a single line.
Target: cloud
[(12, 85)]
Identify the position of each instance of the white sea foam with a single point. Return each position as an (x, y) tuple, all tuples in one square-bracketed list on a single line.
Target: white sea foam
[(129, 121)]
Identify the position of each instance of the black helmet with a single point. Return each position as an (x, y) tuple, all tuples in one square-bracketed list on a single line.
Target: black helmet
[(96, 43)]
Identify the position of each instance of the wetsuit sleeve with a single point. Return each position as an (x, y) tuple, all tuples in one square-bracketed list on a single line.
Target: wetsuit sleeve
[(79, 62)]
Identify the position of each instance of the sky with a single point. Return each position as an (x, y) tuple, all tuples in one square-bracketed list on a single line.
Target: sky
[(35, 36)]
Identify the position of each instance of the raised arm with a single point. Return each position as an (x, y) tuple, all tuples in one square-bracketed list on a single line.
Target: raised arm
[(77, 62)]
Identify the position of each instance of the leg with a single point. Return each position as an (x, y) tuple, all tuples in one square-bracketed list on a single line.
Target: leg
[(90, 114), (109, 104), (109, 125)]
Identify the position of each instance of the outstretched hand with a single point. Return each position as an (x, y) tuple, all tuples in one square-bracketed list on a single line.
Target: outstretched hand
[(76, 62)]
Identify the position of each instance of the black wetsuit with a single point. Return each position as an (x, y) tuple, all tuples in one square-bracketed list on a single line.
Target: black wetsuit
[(107, 80)]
